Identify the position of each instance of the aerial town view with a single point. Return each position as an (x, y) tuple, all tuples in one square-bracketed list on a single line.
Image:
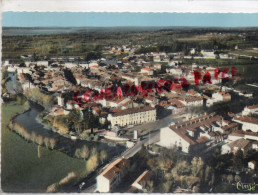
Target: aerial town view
[(120, 109)]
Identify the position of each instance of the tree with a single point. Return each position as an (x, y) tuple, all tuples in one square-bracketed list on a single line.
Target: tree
[(167, 186), (94, 150), (212, 180), (52, 143), (237, 178), (165, 163), (85, 152), (196, 189), (92, 56), (103, 156), (230, 178), (197, 165), (152, 163), (77, 153), (69, 76), (207, 174), (46, 141), (149, 186), (39, 140), (74, 118), (96, 137), (33, 136), (238, 160), (93, 162), (182, 168)]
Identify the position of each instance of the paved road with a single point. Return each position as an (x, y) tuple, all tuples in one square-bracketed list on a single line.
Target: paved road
[(158, 124), (154, 135), (145, 140), (90, 189)]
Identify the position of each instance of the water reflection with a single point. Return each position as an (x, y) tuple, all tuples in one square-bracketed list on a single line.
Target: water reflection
[(11, 83)]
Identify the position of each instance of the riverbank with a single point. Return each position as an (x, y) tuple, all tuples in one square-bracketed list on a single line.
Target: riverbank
[(21, 169)]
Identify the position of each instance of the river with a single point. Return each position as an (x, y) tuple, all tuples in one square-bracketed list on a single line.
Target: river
[(30, 121), (11, 83)]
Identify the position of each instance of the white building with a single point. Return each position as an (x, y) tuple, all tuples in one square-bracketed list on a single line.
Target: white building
[(224, 56), (249, 110), (93, 64), (111, 176), (171, 137), (252, 164), (208, 54), (157, 66), (84, 65), (233, 146), (190, 135), (173, 63), (60, 100), (176, 71), (6, 63), (131, 78), (42, 63), (27, 85), (147, 71), (192, 51), (24, 70), (70, 64), (132, 116), (255, 145), (249, 123), (221, 96), (192, 101)]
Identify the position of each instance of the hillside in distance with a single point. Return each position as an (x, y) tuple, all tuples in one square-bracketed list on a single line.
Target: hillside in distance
[(20, 31)]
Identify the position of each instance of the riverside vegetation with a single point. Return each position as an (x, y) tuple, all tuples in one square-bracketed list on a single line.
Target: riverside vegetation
[(28, 167), (23, 170)]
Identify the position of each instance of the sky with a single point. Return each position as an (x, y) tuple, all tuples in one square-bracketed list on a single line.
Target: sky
[(104, 19)]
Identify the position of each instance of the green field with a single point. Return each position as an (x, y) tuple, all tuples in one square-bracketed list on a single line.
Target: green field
[(22, 170)]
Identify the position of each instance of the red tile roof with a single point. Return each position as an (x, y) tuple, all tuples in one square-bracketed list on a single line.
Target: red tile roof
[(228, 127), (114, 168), (225, 94), (202, 139), (193, 99), (118, 112), (145, 176), (147, 68), (247, 119), (182, 127), (176, 103), (253, 106), (182, 133), (252, 161)]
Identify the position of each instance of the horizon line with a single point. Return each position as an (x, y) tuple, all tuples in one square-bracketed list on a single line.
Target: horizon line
[(130, 26)]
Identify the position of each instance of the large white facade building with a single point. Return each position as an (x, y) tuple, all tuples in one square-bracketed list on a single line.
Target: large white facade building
[(132, 116), (192, 134)]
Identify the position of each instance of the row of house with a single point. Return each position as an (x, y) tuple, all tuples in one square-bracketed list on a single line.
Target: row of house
[(193, 134)]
